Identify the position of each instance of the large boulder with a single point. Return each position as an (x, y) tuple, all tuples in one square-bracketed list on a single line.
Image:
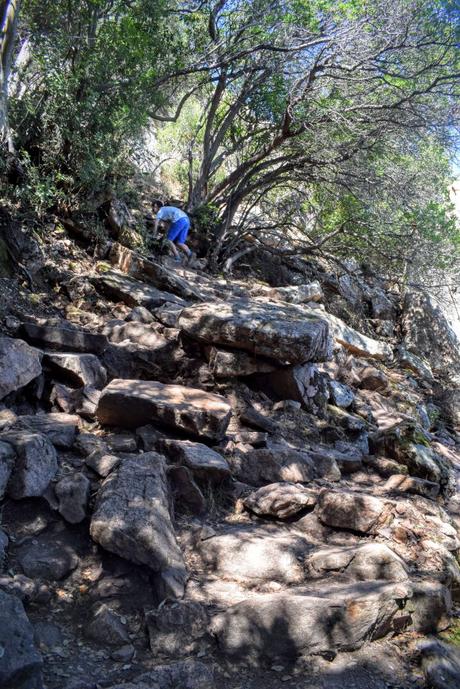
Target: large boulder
[(78, 369), (140, 268), (134, 403), (120, 287), (132, 519), (20, 662), (303, 383), (280, 500), (253, 556), (428, 334), (64, 338), (362, 563), (60, 429), (19, 364), (303, 622), (347, 510), (35, 465), (271, 465), (284, 333), (205, 462)]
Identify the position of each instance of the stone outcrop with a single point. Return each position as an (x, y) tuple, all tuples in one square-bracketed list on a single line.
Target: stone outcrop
[(20, 662), (134, 403), (283, 333), (35, 464), (79, 369), (131, 518), (280, 500), (19, 365), (120, 287), (63, 338)]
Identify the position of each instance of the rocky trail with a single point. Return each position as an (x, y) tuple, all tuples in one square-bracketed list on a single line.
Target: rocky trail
[(218, 483)]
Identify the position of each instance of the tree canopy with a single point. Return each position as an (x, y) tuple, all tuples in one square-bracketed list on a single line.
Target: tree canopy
[(301, 125)]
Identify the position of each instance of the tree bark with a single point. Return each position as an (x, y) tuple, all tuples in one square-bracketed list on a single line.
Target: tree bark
[(9, 12)]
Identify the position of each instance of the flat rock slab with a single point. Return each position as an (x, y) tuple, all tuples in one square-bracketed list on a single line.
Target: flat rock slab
[(60, 429), (20, 662), (280, 500), (120, 287), (19, 364), (295, 294), (140, 268), (262, 466), (201, 459), (283, 333), (255, 555), (132, 519), (286, 625), (365, 562), (408, 484), (35, 465), (134, 403), (63, 338), (348, 510), (79, 369)]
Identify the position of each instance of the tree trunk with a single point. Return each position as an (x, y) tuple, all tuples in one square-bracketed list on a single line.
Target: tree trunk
[(9, 11)]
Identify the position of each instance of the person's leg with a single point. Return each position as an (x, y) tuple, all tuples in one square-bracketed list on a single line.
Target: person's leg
[(182, 237), (174, 234)]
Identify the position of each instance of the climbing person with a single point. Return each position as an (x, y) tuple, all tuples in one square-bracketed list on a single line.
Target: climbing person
[(178, 228)]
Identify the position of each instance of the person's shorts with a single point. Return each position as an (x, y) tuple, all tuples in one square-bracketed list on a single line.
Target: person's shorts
[(179, 230)]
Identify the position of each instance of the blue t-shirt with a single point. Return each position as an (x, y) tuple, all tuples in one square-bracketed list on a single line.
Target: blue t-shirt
[(171, 213)]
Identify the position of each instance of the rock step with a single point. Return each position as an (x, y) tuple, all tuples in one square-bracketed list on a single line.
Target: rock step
[(305, 621)]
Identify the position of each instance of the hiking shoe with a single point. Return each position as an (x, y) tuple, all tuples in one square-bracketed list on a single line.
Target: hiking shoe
[(190, 260)]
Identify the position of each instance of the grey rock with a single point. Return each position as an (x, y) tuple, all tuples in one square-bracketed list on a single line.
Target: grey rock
[(255, 555), (280, 500), (7, 459), (24, 588), (47, 558), (341, 394), (226, 363), (131, 518), (79, 369), (362, 563), (178, 629), (106, 627), (347, 510), (284, 626), (185, 491), (133, 403), (370, 378), (86, 443), (414, 363), (131, 360), (117, 286), (205, 462), (301, 383), (284, 333), (64, 338), (20, 662), (140, 268), (19, 364), (440, 663), (168, 314), (140, 314), (147, 335), (35, 465), (121, 442), (123, 654), (101, 462), (60, 429), (408, 484), (72, 492), (430, 607), (294, 294), (262, 466)]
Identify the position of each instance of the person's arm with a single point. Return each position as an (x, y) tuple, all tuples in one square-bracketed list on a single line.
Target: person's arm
[(155, 228)]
